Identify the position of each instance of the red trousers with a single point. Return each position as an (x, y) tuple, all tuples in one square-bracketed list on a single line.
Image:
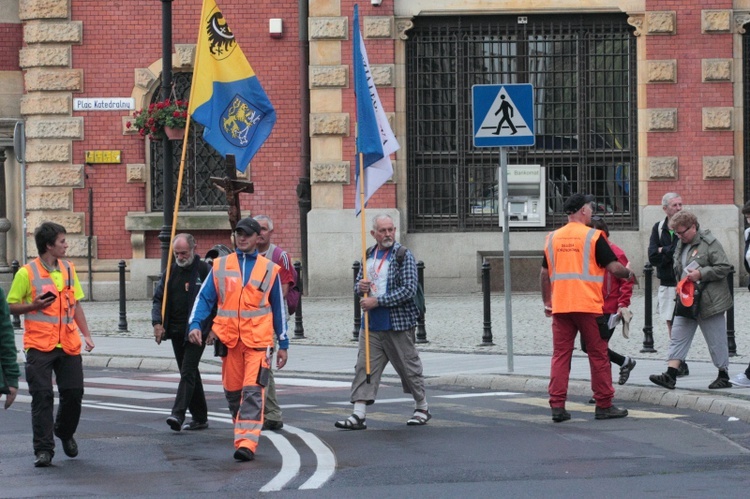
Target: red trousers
[(239, 376), (564, 330)]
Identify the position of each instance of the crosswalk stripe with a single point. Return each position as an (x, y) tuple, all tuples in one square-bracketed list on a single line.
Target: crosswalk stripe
[(473, 395), (113, 392), (207, 387), (280, 380)]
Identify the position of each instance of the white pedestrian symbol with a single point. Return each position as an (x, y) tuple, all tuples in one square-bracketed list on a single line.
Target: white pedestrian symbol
[(503, 119)]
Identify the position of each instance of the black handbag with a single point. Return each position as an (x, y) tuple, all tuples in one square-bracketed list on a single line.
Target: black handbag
[(694, 310), (604, 331)]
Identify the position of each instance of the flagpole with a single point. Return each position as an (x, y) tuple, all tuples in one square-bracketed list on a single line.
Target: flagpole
[(176, 210), (364, 257), (174, 216)]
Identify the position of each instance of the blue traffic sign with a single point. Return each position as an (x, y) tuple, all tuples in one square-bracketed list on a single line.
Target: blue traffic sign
[(503, 115)]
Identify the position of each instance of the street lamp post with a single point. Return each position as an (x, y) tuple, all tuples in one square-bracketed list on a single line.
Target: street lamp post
[(166, 87)]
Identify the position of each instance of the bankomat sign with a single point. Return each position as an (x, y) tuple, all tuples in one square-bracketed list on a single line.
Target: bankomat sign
[(524, 174)]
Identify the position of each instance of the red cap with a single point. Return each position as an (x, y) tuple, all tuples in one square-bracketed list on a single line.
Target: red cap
[(686, 290)]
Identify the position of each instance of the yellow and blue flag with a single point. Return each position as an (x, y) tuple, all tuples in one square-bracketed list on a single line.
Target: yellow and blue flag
[(226, 96), (375, 139)]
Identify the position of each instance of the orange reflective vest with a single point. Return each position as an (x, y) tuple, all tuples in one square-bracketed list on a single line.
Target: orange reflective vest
[(244, 311), (45, 328), (575, 277)]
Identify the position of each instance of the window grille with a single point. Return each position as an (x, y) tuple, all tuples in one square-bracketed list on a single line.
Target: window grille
[(201, 163), (583, 69)]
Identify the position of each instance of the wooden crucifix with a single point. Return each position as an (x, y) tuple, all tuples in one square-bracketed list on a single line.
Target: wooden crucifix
[(232, 187)]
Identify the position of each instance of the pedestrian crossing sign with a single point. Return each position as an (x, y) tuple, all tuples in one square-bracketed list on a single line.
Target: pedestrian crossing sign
[(503, 115)]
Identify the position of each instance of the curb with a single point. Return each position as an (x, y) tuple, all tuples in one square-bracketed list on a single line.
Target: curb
[(684, 399)]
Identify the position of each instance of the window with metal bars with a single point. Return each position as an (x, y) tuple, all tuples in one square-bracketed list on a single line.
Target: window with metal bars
[(201, 163), (583, 69)]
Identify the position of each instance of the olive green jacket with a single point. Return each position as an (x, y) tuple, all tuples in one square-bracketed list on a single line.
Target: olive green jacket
[(707, 251)]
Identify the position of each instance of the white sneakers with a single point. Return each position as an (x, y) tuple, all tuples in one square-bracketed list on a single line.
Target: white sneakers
[(741, 380)]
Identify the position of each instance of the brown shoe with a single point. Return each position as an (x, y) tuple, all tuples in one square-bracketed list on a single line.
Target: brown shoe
[(559, 414), (610, 412)]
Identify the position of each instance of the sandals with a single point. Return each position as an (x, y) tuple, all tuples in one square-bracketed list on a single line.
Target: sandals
[(625, 371), (353, 422), (419, 418)]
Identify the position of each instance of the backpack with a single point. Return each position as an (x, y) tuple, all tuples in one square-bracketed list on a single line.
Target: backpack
[(293, 294), (419, 300)]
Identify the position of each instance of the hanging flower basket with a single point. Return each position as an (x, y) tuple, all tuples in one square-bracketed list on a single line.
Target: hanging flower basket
[(154, 120), (174, 133)]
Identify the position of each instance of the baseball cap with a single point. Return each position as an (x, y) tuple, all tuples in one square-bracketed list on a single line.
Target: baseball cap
[(248, 226), (686, 291), (576, 202)]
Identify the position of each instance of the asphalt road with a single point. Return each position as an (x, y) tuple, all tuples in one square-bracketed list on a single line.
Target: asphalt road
[(479, 443)]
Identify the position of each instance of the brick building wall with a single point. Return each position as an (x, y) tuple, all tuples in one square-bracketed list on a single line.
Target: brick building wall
[(689, 102), (11, 40), (115, 43), (692, 44)]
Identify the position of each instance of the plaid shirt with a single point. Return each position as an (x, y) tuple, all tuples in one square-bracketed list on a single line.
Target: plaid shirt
[(401, 287)]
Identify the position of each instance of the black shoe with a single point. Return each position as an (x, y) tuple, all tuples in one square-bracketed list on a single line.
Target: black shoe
[(174, 423), (70, 447), (683, 370), (720, 382), (43, 459), (243, 454), (664, 380), (194, 425), (625, 371), (272, 425), (559, 414), (611, 412)]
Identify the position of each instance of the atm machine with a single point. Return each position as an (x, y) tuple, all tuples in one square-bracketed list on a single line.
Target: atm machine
[(526, 196)]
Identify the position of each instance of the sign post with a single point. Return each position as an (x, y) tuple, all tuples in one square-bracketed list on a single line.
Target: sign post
[(503, 116)]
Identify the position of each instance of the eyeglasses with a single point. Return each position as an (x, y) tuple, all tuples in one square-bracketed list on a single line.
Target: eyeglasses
[(596, 218), (681, 232)]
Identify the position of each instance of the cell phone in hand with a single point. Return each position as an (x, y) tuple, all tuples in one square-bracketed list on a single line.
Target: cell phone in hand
[(47, 295)]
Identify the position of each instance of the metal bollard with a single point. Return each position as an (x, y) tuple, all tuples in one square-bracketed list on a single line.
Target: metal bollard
[(15, 319), (299, 329), (730, 316), (357, 310), (487, 336), (648, 328), (421, 331), (123, 325)]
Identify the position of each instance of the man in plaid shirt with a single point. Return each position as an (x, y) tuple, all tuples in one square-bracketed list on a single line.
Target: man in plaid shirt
[(390, 287)]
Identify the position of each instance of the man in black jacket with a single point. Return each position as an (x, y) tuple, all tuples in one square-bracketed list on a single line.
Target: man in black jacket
[(185, 279), (660, 254)]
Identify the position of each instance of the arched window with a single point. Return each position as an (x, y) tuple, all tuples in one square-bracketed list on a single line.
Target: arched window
[(201, 163)]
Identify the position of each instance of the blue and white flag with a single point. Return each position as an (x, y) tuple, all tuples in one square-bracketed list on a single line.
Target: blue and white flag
[(375, 139)]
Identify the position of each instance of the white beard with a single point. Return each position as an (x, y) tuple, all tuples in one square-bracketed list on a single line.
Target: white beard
[(186, 263)]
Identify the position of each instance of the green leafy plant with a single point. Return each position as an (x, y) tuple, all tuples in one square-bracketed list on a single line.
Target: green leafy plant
[(152, 120)]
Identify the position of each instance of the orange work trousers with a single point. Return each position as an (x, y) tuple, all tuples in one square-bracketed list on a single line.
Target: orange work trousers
[(239, 376)]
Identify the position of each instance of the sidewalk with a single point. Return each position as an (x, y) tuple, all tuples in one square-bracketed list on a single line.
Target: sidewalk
[(452, 356)]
